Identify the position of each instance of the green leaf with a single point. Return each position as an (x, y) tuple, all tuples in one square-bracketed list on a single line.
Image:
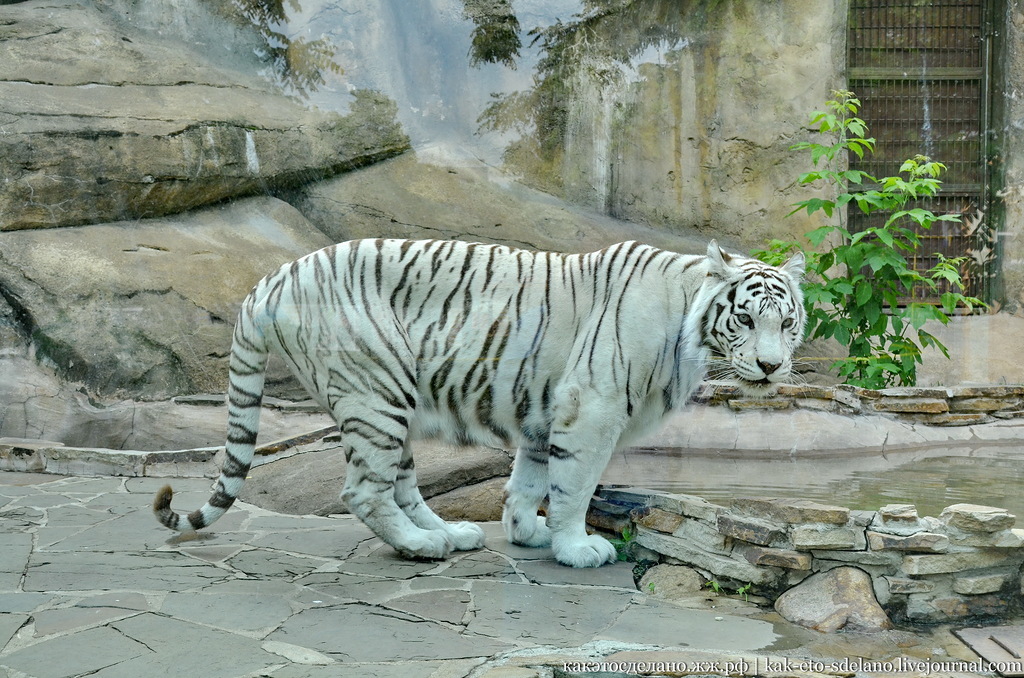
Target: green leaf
[(918, 314), (864, 292), (842, 335), (818, 235)]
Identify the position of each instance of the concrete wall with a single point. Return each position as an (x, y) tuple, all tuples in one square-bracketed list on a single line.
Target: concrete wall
[(1010, 146), (694, 129)]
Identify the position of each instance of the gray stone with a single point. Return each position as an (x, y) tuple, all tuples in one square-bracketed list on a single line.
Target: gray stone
[(337, 541), (910, 405), (547, 571), (1003, 539), (981, 404), (898, 513), (446, 605), (980, 584), (81, 653), (483, 565), (671, 582), (751, 530), (396, 636), (906, 528), (791, 560), (91, 571), (172, 647), (927, 542), (792, 511), (904, 585), (475, 502), (704, 535), (64, 620), (719, 565), (249, 607), (657, 519), (839, 599), (665, 624), (822, 537), (9, 625), (953, 562), (689, 506), (562, 616), (748, 404), (925, 608), (976, 518)]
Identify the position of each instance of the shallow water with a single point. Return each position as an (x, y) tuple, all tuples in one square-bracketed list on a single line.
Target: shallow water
[(930, 478)]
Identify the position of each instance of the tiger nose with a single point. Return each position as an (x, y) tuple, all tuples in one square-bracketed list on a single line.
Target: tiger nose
[(768, 368)]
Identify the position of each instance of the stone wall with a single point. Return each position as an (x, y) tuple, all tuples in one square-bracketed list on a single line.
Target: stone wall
[(935, 406), (965, 564)]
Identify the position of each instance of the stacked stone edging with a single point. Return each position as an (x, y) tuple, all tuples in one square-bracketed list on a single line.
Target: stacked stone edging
[(965, 564), (935, 406)]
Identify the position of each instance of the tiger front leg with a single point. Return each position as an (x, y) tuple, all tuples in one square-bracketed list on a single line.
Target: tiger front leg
[(579, 450), (525, 491)]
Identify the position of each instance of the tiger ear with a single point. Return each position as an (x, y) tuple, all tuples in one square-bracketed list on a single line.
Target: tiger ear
[(719, 261), (795, 266)]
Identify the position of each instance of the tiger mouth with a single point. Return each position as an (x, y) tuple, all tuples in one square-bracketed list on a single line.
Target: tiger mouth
[(761, 388)]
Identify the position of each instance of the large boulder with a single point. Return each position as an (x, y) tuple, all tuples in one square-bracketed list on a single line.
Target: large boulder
[(104, 121), (838, 599), (404, 197), (146, 309), (36, 405)]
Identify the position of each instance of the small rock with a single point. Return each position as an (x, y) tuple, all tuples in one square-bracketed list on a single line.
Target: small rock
[(927, 542), (751, 530), (806, 537), (975, 518), (841, 598), (973, 586), (898, 513), (657, 519), (478, 502), (671, 582), (791, 560)]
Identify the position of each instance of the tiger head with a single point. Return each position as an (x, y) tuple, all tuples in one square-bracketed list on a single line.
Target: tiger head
[(755, 320)]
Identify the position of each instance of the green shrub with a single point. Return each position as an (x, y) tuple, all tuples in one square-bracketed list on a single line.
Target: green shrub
[(855, 287)]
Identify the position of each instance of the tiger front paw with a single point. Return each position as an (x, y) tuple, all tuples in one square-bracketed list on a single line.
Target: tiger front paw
[(466, 536), (588, 551), (426, 545)]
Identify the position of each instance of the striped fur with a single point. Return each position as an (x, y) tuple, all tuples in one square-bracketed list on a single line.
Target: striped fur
[(567, 357)]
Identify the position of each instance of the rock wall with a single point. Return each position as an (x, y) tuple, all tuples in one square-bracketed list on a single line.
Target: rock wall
[(964, 564), (145, 308), (104, 122), (955, 406)]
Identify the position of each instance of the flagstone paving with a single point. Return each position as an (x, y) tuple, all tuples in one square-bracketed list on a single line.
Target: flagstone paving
[(90, 584)]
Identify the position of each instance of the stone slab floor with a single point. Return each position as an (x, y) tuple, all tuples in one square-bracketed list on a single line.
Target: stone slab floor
[(90, 584)]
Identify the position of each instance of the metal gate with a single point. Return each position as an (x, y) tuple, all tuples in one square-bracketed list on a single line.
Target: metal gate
[(921, 69)]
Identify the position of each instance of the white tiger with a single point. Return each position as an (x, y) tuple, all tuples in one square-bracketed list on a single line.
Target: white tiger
[(566, 356)]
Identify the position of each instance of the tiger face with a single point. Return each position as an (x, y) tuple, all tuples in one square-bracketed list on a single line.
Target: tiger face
[(755, 322)]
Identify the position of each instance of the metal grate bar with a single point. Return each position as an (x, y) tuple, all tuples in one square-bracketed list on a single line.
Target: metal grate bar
[(919, 70)]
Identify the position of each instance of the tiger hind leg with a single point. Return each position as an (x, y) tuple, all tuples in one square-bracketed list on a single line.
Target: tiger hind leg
[(374, 457), (525, 492), (464, 536)]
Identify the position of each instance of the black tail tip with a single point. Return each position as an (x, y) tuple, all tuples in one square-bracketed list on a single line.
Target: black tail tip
[(162, 501)]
